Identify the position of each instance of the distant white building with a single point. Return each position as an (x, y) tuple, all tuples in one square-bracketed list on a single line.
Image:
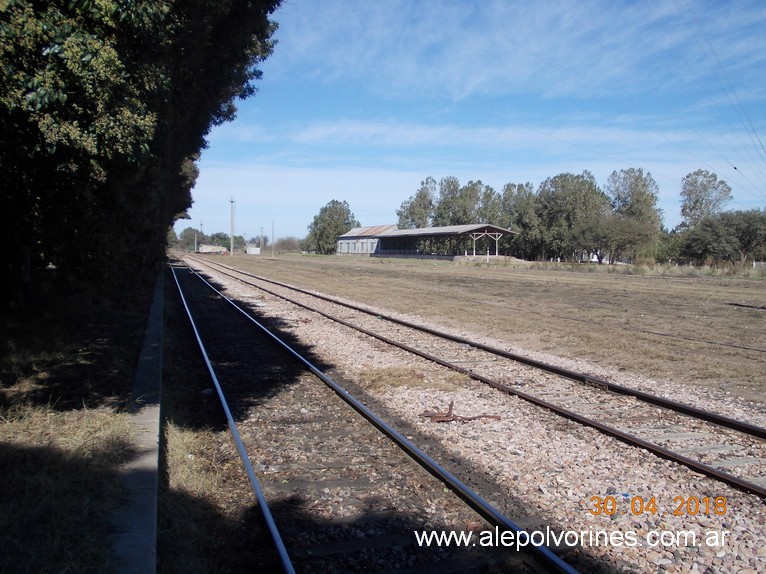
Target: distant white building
[(252, 250), (219, 249)]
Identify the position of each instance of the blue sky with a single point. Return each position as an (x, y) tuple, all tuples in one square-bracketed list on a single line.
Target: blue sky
[(363, 100)]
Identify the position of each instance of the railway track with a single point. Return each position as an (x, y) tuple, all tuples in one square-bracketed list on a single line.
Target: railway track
[(728, 450), (341, 491)]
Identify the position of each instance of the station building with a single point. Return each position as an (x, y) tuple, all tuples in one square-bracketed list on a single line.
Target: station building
[(439, 242), (362, 240)]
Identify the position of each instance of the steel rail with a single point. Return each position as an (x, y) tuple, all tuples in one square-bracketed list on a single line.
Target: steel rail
[(284, 558), (472, 499), (720, 420), (627, 438)]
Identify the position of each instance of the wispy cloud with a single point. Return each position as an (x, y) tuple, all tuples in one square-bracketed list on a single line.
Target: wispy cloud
[(362, 100), (553, 49)]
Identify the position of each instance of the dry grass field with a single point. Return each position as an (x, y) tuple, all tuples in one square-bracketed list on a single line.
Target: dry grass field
[(679, 326), (66, 373)]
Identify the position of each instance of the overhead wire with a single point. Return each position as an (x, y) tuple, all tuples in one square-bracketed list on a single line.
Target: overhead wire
[(746, 122), (686, 150), (726, 86), (728, 89), (703, 86)]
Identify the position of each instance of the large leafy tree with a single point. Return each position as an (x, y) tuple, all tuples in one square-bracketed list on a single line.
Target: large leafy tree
[(332, 221), (418, 210), (732, 236), (621, 236), (104, 105), (489, 209), (702, 195), (517, 212), (635, 195), (638, 219), (190, 238), (747, 229), (457, 205), (708, 240), (566, 206)]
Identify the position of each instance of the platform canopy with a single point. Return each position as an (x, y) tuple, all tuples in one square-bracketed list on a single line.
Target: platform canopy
[(452, 238)]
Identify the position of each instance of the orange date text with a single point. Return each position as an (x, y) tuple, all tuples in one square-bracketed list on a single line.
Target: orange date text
[(639, 505)]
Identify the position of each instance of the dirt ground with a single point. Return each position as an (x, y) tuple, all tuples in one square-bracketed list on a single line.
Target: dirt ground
[(709, 331)]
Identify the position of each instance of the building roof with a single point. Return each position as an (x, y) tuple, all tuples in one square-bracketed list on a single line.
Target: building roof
[(394, 231), (372, 231), (449, 230)]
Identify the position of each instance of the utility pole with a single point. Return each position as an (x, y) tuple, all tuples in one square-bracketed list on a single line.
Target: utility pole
[(232, 225)]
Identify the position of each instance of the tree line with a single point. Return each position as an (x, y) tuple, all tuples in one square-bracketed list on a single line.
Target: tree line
[(569, 216), (191, 238), (104, 109)]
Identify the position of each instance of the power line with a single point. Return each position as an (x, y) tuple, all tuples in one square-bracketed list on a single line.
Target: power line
[(704, 86), (747, 123), (698, 33)]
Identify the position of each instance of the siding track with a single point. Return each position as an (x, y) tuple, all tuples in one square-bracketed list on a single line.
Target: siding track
[(720, 447)]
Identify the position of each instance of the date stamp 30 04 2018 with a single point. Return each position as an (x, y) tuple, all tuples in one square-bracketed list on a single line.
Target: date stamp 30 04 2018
[(639, 505)]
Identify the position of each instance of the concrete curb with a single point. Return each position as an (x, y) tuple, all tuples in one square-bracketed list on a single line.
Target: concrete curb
[(134, 540)]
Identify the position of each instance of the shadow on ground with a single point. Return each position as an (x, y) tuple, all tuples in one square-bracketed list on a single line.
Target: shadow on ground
[(52, 506)]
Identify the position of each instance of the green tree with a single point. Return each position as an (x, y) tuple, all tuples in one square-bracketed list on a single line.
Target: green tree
[(733, 236), (332, 221), (457, 205), (668, 247), (190, 238), (702, 195), (172, 240), (635, 195), (418, 210), (518, 213), (634, 198), (709, 240), (591, 234), (105, 105), (239, 243), (219, 238), (566, 205), (489, 209), (747, 231), (620, 235)]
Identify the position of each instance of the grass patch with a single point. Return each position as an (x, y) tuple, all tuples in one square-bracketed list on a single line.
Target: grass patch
[(66, 371), (200, 462), (59, 487), (195, 516), (653, 269)]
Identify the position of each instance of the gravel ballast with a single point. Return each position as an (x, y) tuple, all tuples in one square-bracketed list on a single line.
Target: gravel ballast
[(549, 467)]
